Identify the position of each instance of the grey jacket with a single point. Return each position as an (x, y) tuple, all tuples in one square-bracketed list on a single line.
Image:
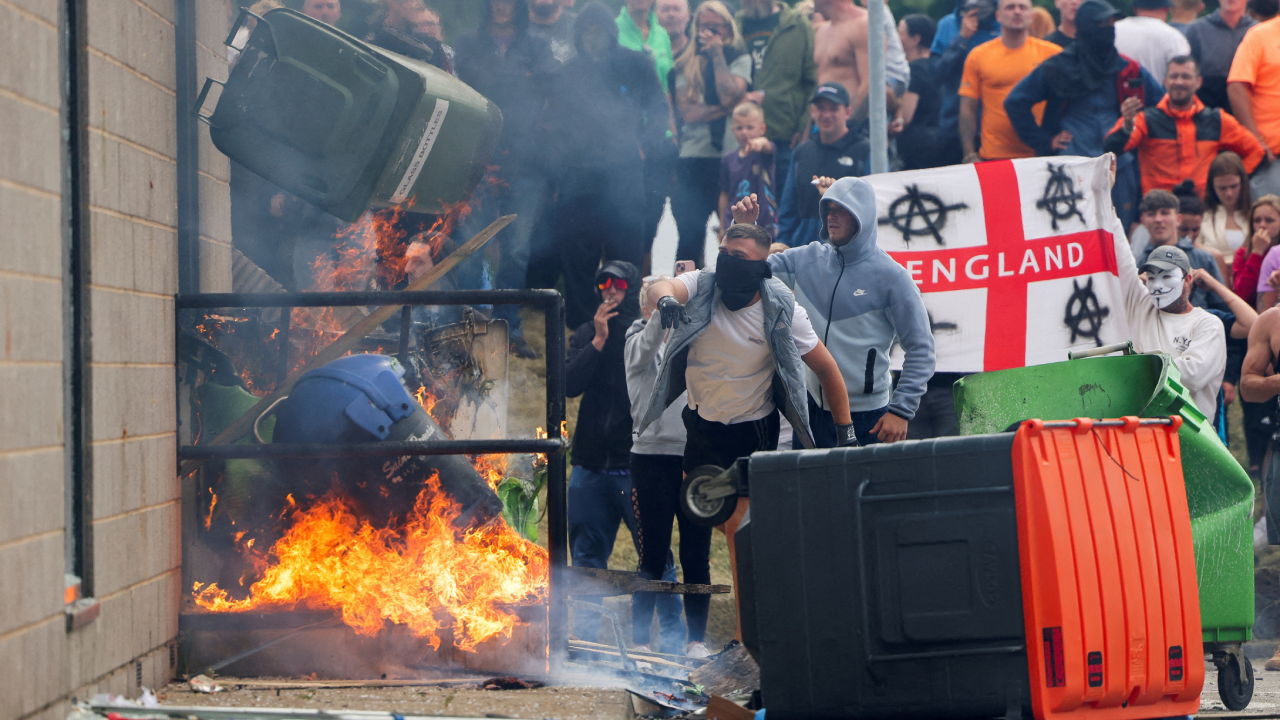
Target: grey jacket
[(860, 300), (1213, 44), (644, 345), (788, 381)]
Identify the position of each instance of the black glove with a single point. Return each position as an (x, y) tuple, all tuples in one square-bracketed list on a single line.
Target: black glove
[(672, 312), (845, 436)]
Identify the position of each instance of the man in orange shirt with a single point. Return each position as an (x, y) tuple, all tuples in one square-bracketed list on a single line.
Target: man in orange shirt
[(1179, 137), (990, 72), (1253, 86)]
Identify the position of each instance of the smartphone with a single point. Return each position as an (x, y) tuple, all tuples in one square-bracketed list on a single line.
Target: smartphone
[(684, 266)]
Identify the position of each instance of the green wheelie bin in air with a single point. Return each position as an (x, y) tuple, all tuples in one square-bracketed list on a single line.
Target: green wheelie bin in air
[(345, 125), (1219, 492)]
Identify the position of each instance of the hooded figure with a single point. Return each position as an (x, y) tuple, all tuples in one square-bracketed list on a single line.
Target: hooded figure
[(1092, 60), (606, 106), (1082, 89), (514, 72), (860, 301), (602, 439)]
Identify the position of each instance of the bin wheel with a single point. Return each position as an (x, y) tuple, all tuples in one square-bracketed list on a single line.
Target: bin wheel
[(707, 512), (1235, 694)]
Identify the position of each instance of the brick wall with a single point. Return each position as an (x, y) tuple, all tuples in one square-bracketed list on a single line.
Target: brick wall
[(132, 222)]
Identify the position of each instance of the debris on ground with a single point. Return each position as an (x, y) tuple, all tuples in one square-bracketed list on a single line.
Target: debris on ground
[(510, 683), (732, 671), (203, 684)]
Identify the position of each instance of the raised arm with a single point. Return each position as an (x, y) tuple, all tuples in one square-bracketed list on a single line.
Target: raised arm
[(1245, 315)]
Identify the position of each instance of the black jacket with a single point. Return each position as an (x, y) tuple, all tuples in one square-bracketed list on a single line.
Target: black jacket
[(517, 81), (845, 157), (602, 437), (604, 113)]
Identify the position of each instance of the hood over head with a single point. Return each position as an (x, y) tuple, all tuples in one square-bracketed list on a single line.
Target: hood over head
[(521, 18), (1089, 64), (595, 14), (858, 197)]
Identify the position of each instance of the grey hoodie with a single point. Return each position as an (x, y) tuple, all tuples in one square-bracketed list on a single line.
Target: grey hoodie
[(860, 300), (645, 342)]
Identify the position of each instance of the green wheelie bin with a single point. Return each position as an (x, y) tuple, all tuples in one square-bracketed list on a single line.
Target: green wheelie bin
[(348, 126), (1219, 492)]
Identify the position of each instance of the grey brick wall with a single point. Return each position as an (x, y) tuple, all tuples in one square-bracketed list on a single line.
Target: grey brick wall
[(132, 220)]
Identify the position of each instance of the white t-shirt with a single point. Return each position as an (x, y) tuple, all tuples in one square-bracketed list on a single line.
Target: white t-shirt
[(1196, 340), (1152, 42), (730, 370)]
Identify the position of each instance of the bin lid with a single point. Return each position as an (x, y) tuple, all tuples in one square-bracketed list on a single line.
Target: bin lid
[(306, 107)]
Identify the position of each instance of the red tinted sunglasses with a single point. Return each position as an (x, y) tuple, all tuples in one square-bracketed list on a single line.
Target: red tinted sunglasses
[(615, 282)]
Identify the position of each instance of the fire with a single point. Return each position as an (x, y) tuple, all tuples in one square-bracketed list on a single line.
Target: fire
[(208, 520), (424, 574)]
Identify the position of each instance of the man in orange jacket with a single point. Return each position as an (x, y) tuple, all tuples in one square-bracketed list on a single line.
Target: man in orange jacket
[(1179, 137)]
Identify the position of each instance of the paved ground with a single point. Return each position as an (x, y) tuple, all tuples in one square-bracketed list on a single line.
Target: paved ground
[(1266, 692), (560, 703)]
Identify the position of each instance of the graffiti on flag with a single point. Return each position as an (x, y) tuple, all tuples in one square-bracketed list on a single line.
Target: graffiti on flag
[(1015, 259)]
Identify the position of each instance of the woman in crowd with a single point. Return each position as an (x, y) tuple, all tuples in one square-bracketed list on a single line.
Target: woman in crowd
[(1264, 233), (1226, 201), (710, 79)]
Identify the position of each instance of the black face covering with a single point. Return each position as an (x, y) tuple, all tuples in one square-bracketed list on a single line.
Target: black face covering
[(1089, 63), (739, 280)]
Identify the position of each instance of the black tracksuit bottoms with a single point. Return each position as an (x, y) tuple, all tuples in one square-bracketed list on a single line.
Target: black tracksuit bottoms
[(655, 480)]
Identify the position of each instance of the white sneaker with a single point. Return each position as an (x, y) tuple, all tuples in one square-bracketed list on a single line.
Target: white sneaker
[(640, 649), (697, 650)]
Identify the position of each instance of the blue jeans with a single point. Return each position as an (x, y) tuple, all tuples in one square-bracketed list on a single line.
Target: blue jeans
[(598, 501), (824, 426)]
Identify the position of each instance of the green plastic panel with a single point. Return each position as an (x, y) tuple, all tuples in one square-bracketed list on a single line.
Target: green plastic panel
[(1219, 492)]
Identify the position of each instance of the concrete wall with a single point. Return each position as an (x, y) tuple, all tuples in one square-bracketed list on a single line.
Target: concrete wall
[(133, 215)]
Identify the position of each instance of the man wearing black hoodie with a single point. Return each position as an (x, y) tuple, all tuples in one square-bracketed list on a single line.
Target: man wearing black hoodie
[(600, 493), (607, 113), (507, 64)]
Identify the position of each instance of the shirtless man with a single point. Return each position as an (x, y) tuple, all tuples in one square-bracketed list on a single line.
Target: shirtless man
[(1260, 383), (841, 52), (840, 47)]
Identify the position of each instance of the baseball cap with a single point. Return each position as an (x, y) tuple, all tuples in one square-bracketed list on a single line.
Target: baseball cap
[(1152, 4), (832, 91), (1167, 258)]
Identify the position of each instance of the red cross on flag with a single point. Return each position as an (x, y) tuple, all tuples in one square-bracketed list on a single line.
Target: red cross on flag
[(1015, 258)]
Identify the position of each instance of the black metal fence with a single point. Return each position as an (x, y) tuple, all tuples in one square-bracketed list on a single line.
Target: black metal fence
[(554, 447)]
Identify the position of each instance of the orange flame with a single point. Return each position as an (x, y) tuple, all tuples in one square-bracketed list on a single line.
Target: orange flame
[(330, 559), (208, 520)]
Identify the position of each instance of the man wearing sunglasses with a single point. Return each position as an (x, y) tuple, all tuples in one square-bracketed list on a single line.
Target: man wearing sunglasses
[(600, 493)]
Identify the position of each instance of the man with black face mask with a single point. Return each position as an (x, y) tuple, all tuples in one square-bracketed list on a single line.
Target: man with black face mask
[(739, 345), (606, 107)]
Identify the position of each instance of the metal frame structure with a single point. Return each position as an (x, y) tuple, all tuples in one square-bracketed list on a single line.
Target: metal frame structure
[(552, 305)]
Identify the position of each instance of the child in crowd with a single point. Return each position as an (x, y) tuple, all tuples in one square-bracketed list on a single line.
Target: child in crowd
[(749, 169)]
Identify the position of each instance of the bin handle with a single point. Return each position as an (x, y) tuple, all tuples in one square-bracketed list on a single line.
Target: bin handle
[(243, 17), (1125, 347), (204, 93)]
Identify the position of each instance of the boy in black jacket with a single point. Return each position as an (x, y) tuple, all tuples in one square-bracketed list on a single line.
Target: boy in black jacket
[(600, 494)]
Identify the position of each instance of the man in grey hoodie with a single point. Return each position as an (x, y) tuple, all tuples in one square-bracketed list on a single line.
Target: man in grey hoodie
[(860, 301)]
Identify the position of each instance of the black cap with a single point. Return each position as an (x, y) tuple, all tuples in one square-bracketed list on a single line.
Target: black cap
[(1153, 4), (1167, 258), (832, 91)]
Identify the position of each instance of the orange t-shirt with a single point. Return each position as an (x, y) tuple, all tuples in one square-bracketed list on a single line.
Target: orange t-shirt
[(1257, 62), (990, 73)]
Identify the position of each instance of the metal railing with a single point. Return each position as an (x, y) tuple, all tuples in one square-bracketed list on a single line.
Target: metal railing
[(552, 305)]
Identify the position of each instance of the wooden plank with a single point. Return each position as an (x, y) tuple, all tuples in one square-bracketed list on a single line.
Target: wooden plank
[(338, 684), (683, 660)]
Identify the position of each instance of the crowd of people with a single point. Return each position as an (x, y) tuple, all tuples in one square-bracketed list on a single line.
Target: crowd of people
[(752, 117)]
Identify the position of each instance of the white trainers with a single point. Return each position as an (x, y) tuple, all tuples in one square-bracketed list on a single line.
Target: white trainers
[(697, 650), (640, 648)]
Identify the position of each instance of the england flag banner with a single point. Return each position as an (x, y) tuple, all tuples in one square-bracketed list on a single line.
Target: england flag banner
[(1016, 259)]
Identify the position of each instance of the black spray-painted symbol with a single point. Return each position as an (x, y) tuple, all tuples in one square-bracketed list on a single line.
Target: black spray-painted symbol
[(1060, 196), (941, 326), (1085, 314), (919, 214)]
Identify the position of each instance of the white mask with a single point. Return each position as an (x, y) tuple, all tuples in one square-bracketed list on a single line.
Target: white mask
[(1165, 288)]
